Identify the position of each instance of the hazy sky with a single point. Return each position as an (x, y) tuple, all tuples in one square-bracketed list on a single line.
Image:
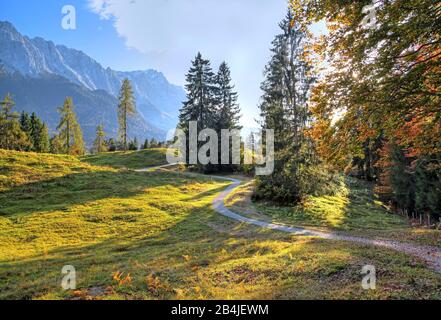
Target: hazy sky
[(163, 35)]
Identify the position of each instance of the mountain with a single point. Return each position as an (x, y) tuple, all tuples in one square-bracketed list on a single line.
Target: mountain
[(42, 63), (45, 94)]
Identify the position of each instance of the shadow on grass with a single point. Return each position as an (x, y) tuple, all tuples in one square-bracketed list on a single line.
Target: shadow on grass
[(130, 159), (357, 209), (59, 194), (163, 254)]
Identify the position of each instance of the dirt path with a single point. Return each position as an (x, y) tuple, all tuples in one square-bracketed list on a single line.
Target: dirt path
[(431, 255)]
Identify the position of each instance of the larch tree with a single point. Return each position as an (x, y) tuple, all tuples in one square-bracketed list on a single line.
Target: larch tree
[(12, 137), (69, 131), (99, 145), (126, 108)]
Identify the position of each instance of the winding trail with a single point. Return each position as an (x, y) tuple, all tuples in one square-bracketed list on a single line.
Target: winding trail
[(431, 255)]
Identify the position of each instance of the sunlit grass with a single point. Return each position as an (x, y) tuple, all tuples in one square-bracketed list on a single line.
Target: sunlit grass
[(130, 159), (356, 211), (155, 236)]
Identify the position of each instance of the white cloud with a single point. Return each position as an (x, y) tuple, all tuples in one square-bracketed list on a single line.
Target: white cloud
[(171, 32)]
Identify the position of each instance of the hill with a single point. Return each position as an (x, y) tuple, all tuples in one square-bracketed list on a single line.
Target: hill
[(154, 235)]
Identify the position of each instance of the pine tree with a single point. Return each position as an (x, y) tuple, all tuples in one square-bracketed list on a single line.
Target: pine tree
[(153, 143), (134, 145), (12, 137), (69, 130), (56, 145), (36, 131), (26, 126), (39, 134), (126, 108), (228, 110), (25, 122), (43, 145), (200, 105), (401, 179), (428, 186), (284, 109), (146, 144), (99, 144), (111, 145), (7, 105)]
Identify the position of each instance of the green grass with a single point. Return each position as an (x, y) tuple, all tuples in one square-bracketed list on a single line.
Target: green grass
[(154, 235), (355, 211), (130, 159)]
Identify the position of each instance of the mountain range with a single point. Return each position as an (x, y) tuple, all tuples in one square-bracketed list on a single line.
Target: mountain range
[(40, 74)]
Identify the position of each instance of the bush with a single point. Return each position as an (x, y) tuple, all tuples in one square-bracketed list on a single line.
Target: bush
[(287, 187)]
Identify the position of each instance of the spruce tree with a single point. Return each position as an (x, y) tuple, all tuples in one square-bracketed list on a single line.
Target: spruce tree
[(25, 122), (284, 109), (112, 145), (99, 145), (69, 130), (134, 145), (401, 179), (26, 126), (146, 144), (43, 145), (228, 110), (200, 105), (153, 143), (126, 108), (39, 134)]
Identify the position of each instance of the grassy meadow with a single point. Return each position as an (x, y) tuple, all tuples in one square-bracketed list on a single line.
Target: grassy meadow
[(355, 211), (154, 235)]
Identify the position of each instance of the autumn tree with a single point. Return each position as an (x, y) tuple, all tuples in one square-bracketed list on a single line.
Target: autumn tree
[(126, 108), (99, 145), (69, 131), (12, 137), (379, 87)]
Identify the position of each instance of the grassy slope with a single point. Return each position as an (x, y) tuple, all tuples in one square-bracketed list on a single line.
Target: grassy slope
[(356, 211), (131, 159), (160, 229)]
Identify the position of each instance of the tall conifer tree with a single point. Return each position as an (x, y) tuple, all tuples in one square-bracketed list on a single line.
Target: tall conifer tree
[(284, 109), (126, 108), (70, 133), (99, 144), (201, 104), (228, 110)]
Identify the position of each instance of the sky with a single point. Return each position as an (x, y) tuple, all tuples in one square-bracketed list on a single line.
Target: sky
[(165, 35)]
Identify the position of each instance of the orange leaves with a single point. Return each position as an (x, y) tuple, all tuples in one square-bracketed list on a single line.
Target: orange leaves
[(186, 258), (421, 134), (157, 287), (121, 279)]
